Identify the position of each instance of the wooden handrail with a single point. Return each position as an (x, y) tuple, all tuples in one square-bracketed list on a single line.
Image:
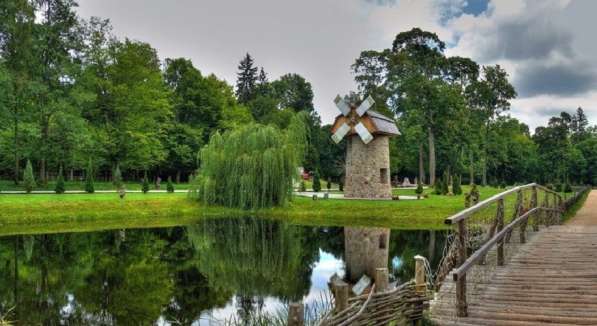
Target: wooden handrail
[(481, 252), (471, 210)]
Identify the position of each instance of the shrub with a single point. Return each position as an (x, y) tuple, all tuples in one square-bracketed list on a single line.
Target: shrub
[(341, 186), (28, 178), (567, 187), (550, 186), (558, 187), (117, 178), (503, 184), (419, 189), (145, 185), (59, 189), (89, 186), (170, 185), (456, 188), (329, 185), (302, 186), (438, 186), (316, 182), (446, 184)]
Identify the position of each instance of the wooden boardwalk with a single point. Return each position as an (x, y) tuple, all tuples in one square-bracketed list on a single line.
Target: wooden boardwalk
[(551, 280)]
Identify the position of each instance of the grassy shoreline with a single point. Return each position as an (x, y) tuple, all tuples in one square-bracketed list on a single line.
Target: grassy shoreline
[(50, 213)]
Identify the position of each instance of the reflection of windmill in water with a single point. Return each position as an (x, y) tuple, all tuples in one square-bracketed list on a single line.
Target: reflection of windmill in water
[(367, 175)]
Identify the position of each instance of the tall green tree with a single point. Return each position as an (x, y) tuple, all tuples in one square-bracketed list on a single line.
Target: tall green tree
[(490, 96), (246, 80), (17, 25)]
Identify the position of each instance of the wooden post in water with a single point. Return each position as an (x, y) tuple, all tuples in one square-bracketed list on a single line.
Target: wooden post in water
[(296, 314), (420, 279), (461, 306), (381, 279), (500, 226)]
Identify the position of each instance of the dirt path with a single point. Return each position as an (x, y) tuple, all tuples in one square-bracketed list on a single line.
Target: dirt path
[(587, 214)]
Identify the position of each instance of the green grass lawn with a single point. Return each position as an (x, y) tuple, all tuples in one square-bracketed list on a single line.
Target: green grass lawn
[(7, 185), (37, 213)]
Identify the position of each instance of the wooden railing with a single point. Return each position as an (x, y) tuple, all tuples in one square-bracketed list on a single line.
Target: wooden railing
[(551, 205)]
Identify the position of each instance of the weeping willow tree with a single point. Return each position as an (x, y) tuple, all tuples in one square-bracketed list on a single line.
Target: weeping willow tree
[(251, 167)]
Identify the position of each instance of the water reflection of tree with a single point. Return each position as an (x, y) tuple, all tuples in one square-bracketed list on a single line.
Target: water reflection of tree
[(136, 276), (255, 257), (407, 244)]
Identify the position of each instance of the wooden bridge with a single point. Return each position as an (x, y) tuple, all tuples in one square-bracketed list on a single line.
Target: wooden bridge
[(527, 270), (508, 261)]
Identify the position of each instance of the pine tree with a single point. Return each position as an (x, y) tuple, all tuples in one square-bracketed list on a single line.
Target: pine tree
[(117, 178), (28, 178), (89, 187), (456, 189), (316, 182), (60, 188), (145, 186), (246, 80), (170, 185)]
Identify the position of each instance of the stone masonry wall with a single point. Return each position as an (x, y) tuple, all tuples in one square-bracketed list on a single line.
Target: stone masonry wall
[(364, 163)]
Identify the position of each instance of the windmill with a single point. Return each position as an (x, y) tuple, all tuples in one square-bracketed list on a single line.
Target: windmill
[(367, 150)]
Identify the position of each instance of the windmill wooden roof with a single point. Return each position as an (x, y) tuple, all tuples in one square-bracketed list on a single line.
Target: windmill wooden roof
[(376, 123)]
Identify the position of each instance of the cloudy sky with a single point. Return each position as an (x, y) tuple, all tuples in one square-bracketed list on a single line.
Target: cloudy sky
[(547, 46)]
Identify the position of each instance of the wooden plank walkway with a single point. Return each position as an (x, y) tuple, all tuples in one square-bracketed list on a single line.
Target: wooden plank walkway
[(551, 280)]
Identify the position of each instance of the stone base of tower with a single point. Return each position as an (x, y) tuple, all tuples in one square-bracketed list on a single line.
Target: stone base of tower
[(368, 168)]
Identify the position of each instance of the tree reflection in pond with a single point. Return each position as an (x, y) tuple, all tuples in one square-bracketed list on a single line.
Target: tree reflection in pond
[(219, 267)]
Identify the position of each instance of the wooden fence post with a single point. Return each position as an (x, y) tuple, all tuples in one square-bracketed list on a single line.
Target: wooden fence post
[(534, 205), (340, 291), (420, 278), (296, 314), (519, 209), (461, 306), (500, 226), (381, 279), (545, 215)]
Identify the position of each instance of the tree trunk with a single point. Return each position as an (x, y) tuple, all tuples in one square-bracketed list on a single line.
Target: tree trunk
[(471, 170), (43, 173), (431, 156), (421, 165), (72, 175), (178, 176), (16, 140), (484, 180)]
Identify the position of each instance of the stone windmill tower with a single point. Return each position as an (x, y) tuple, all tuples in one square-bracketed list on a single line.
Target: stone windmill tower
[(368, 151)]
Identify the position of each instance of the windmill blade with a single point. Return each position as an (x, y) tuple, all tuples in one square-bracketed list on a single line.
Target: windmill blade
[(365, 135), (365, 105), (340, 133), (342, 105)]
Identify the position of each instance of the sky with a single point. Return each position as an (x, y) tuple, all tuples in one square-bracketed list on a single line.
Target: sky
[(547, 46)]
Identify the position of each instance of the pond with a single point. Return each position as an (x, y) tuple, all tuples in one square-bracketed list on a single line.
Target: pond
[(203, 274)]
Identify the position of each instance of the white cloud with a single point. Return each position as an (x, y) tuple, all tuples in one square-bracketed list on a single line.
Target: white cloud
[(320, 39)]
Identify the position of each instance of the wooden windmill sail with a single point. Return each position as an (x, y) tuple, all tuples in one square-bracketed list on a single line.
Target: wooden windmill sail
[(367, 150)]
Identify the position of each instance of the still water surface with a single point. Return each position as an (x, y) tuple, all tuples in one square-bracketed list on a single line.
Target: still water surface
[(200, 274)]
